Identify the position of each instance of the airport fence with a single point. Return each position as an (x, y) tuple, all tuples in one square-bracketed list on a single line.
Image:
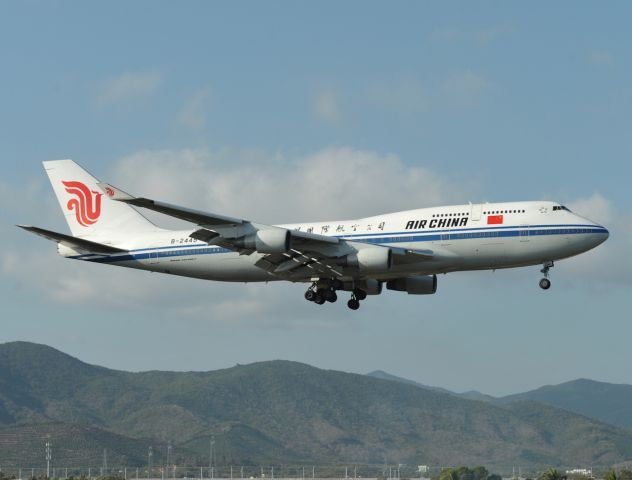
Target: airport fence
[(230, 472)]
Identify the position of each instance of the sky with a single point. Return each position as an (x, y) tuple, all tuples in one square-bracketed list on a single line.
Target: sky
[(303, 111)]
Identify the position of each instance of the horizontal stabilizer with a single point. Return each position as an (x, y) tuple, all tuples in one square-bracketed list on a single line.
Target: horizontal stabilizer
[(72, 242)]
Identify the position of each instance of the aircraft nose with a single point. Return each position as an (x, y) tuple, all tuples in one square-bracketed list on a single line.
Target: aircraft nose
[(601, 235)]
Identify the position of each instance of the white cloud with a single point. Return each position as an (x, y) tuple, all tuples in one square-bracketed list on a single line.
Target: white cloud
[(464, 88), (461, 89), (331, 183), (609, 264), (596, 208), (79, 283), (193, 113), (327, 184), (491, 34), (127, 86), (30, 204), (482, 36), (445, 34), (326, 107), (601, 57), (404, 96)]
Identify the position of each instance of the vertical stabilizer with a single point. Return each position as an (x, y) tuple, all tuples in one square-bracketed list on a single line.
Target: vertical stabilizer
[(88, 211)]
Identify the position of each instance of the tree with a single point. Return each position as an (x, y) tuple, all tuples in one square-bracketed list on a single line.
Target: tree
[(610, 475), (463, 473), (624, 474), (551, 474)]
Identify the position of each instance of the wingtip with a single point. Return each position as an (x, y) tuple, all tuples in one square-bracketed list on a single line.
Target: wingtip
[(114, 193)]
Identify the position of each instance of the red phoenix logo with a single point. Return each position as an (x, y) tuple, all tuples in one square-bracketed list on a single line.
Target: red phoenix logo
[(109, 191), (86, 205)]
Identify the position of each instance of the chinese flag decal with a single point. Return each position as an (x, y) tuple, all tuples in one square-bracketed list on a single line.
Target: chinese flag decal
[(495, 220)]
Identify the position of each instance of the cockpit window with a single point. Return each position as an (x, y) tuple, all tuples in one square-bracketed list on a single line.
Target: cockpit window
[(560, 207)]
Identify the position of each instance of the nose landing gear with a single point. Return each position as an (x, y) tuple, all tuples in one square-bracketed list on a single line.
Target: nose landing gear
[(545, 283)]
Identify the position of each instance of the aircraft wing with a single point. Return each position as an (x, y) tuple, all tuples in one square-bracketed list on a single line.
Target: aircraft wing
[(72, 242), (193, 216), (285, 253), (403, 256)]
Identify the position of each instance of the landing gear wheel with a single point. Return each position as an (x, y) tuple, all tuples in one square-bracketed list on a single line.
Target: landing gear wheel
[(359, 294), (319, 300), (331, 296), (545, 283), (353, 304), (310, 295)]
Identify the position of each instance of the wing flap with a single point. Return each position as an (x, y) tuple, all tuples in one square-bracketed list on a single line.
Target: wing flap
[(304, 237), (310, 253)]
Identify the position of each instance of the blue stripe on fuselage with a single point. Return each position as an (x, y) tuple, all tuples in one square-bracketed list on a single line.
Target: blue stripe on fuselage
[(377, 238)]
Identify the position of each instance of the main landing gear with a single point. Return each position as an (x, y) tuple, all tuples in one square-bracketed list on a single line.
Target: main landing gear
[(545, 283), (319, 294)]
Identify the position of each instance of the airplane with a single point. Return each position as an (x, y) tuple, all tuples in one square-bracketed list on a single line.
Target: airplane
[(402, 251)]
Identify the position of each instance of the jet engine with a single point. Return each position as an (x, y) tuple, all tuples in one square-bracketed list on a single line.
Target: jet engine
[(368, 259), (371, 286), (419, 285), (274, 240)]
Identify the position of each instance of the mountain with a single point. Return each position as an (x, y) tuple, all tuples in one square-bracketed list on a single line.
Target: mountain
[(607, 402), (283, 412), (387, 376), (72, 445), (471, 395)]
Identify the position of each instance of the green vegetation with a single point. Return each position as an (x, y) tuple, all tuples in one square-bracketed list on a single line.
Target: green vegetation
[(465, 473), (552, 474), (611, 403), (271, 413)]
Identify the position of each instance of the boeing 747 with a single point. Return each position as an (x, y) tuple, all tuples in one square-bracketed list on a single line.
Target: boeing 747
[(402, 251)]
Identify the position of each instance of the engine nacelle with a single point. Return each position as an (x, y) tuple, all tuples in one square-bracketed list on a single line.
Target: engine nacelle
[(419, 285), (275, 240), (371, 286), (368, 259)]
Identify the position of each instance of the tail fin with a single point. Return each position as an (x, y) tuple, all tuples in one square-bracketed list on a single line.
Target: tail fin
[(88, 211)]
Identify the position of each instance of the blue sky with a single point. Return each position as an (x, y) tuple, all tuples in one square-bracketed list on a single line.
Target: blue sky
[(282, 111)]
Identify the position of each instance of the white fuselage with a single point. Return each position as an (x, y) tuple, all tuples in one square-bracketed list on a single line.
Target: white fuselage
[(462, 237)]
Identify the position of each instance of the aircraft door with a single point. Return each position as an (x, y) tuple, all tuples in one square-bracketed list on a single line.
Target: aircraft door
[(524, 233), (475, 212), (153, 258)]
